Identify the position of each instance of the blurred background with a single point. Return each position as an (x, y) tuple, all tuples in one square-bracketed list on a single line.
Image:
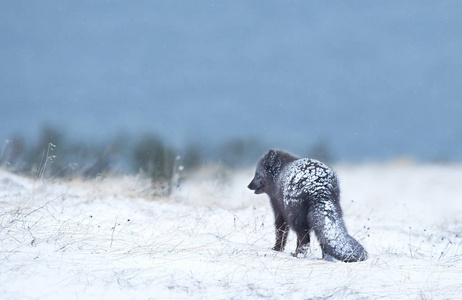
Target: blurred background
[(120, 86)]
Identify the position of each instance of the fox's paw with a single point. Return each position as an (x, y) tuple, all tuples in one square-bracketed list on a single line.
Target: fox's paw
[(302, 251), (278, 248)]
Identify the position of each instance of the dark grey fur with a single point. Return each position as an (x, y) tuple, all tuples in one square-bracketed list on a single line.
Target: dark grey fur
[(304, 194)]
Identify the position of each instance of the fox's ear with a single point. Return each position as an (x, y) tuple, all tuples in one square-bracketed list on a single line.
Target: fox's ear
[(273, 162), (271, 157)]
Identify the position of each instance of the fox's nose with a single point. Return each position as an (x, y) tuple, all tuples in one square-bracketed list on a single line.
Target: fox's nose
[(251, 185)]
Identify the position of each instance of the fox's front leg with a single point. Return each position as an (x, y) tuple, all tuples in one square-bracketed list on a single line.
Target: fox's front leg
[(282, 229)]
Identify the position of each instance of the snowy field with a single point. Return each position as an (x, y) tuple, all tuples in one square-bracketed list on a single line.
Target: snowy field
[(111, 239)]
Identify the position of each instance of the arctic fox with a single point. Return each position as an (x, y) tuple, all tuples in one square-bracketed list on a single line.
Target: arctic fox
[(304, 194)]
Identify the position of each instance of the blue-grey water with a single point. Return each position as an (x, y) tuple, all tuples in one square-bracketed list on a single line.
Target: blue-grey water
[(372, 79)]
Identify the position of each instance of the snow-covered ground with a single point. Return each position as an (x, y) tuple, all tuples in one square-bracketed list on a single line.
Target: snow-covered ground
[(109, 239)]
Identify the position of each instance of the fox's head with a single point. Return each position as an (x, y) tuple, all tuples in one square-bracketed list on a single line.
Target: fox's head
[(267, 168)]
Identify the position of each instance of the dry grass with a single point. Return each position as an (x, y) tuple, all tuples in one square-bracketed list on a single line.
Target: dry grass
[(103, 237)]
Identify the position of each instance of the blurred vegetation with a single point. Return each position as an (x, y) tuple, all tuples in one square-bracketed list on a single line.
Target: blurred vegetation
[(240, 152), (54, 155), (154, 159), (320, 150)]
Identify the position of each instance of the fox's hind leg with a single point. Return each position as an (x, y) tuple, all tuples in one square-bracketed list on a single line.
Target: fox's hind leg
[(303, 241), (297, 214)]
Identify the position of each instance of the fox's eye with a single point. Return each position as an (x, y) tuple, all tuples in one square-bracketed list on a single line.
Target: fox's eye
[(260, 178)]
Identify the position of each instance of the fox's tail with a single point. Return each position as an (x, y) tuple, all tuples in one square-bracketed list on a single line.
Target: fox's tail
[(327, 222)]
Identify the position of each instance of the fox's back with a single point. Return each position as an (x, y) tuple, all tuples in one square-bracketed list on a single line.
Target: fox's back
[(308, 178)]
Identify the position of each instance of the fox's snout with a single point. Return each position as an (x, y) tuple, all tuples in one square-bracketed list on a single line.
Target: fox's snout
[(251, 185), (256, 186)]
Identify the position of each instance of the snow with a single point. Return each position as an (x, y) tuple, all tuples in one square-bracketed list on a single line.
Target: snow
[(212, 238), (306, 176)]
